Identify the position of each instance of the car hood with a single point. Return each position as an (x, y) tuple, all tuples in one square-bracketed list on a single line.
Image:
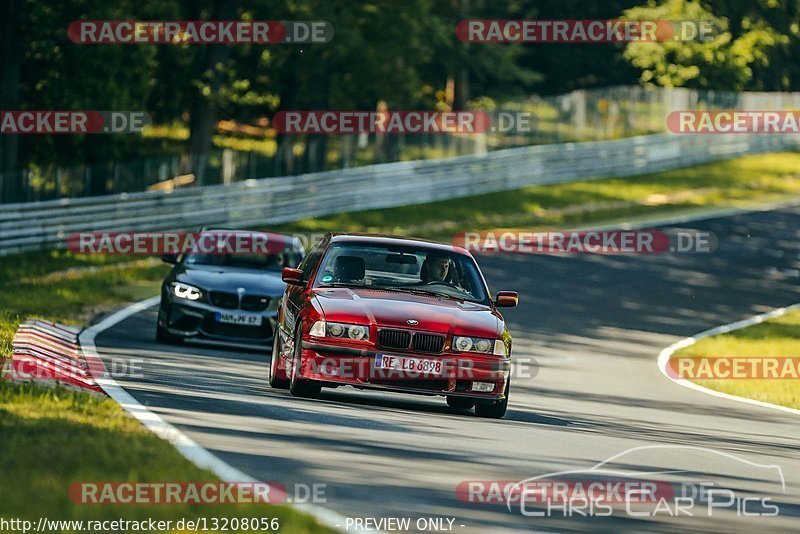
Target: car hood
[(394, 309), (227, 279)]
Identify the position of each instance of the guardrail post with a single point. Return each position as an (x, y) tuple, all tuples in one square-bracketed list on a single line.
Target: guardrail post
[(27, 185), (480, 146), (346, 149), (116, 178), (200, 168), (228, 166)]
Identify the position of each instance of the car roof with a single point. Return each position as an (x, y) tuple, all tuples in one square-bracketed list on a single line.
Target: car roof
[(271, 236), (398, 240)]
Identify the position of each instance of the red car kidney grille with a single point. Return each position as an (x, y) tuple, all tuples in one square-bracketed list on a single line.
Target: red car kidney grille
[(428, 342), (418, 341), (394, 339)]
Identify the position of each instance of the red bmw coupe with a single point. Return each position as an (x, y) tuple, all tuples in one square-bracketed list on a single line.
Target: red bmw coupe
[(394, 314)]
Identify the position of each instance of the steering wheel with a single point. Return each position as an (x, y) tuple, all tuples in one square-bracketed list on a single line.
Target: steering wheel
[(438, 282)]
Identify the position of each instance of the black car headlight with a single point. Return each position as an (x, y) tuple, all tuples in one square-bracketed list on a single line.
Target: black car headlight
[(185, 291)]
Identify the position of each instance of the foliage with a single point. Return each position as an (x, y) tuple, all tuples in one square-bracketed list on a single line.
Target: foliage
[(721, 61), (398, 54)]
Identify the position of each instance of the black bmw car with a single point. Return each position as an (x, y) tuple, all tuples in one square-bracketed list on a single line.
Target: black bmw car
[(230, 298)]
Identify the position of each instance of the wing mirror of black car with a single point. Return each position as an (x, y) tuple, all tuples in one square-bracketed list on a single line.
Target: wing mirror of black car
[(292, 276), (169, 258), (506, 299)]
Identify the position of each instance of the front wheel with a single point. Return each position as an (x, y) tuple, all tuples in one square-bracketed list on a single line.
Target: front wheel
[(494, 410), (274, 364), (297, 386)]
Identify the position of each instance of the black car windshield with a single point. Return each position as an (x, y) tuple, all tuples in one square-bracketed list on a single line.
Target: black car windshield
[(402, 268), (264, 262)]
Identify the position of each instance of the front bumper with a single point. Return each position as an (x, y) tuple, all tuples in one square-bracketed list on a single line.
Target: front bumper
[(336, 365), (198, 320)]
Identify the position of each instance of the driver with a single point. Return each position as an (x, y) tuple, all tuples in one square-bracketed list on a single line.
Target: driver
[(435, 268)]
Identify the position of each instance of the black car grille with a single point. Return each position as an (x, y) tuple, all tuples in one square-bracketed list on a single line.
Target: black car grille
[(428, 342), (255, 302), (394, 339), (223, 299), (418, 341)]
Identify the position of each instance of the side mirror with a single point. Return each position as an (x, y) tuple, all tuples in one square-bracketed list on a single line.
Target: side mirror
[(506, 299), (292, 276), (169, 258)]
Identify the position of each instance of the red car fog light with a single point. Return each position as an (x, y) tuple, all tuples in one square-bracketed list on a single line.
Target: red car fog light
[(482, 387)]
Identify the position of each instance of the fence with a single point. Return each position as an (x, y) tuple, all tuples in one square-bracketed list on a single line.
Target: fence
[(585, 115), (33, 226)]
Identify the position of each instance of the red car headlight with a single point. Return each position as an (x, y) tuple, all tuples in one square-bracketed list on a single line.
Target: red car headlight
[(355, 332), (478, 344)]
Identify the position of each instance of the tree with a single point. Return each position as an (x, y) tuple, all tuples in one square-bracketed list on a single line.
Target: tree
[(724, 61), (56, 74), (780, 70), (10, 58)]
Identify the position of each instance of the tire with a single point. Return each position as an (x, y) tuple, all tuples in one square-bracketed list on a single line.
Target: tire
[(462, 403), (494, 410), (297, 386), (274, 382), (162, 336)]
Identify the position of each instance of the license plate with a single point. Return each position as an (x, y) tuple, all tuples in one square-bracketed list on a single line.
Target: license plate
[(425, 366), (246, 319)]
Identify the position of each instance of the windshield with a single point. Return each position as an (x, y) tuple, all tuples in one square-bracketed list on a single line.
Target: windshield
[(264, 262), (422, 270)]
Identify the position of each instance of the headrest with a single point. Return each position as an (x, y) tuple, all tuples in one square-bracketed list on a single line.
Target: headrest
[(348, 268)]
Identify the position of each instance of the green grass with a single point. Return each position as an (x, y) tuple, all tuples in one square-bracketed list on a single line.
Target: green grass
[(778, 337), (64, 287), (741, 182), (51, 438)]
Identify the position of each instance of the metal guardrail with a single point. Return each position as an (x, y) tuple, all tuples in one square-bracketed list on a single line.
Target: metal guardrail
[(39, 225), (597, 114)]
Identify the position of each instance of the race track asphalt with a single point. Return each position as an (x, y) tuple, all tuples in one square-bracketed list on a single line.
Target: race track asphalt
[(593, 326)]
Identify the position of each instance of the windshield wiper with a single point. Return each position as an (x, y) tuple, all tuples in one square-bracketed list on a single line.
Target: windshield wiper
[(415, 290), (401, 289)]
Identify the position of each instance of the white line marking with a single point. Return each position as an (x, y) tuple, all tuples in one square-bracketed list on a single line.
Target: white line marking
[(666, 354), (189, 448)]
